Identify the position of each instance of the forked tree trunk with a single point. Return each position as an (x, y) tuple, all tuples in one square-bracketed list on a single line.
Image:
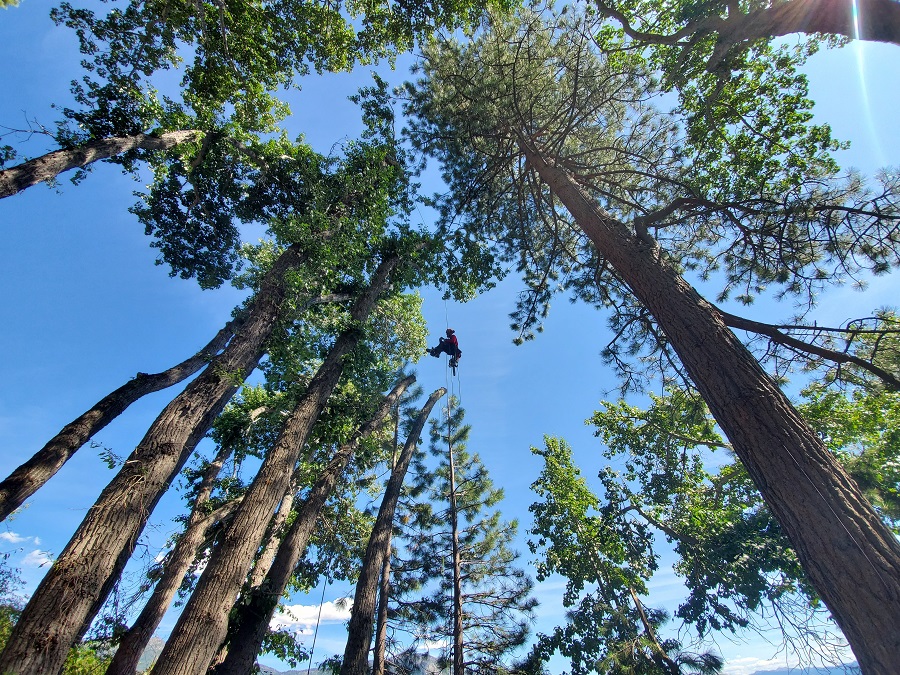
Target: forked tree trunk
[(31, 476), (203, 624), (49, 166), (176, 565), (77, 584), (273, 541), (250, 626), (359, 633), (851, 558)]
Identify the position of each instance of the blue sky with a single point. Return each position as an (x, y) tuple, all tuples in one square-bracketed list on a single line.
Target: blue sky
[(84, 309)]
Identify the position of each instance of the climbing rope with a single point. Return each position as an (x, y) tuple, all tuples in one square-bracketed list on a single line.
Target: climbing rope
[(316, 631)]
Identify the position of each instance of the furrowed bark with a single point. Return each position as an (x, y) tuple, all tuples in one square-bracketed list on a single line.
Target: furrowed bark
[(76, 586), (458, 662), (203, 624), (49, 166), (379, 650), (252, 622), (177, 563), (851, 558), (359, 636), (33, 474)]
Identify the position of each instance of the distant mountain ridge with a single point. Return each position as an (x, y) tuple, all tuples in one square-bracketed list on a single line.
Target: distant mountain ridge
[(846, 669)]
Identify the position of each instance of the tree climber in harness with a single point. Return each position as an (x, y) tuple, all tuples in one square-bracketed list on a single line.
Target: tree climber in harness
[(448, 345)]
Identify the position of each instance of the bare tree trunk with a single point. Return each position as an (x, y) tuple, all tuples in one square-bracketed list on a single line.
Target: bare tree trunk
[(203, 624), (851, 558), (49, 166), (379, 650), (31, 476), (76, 586), (458, 661), (270, 550), (177, 563), (252, 622), (359, 637)]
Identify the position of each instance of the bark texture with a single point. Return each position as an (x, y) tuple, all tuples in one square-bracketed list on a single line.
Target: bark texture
[(203, 624), (33, 474), (379, 650), (252, 622), (49, 166), (177, 563), (76, 586), (359, 633), (851, 558)]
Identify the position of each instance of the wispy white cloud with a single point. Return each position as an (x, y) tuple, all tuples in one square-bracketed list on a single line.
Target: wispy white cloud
[(37, 558), (302, 619), (13, 537)]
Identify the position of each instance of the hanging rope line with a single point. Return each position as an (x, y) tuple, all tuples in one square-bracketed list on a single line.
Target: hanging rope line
[(316, 631)]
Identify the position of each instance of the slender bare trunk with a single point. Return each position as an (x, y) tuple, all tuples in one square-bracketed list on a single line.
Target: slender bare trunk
[(273, 542), (851, 558), (379, 650), (31, 476), (49, 166), (359, 637), (252, 622), (458, 660), (203, 624), (76, 586)]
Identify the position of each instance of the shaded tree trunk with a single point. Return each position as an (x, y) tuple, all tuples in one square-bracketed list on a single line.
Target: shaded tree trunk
[(176, 565), (851, 558), (273, 542), (252, 622), (359, 637), (49, 166), (31, 476), (78, 583), (203, 624)]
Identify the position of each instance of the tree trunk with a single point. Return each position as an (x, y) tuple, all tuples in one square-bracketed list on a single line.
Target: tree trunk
[(359, 637), (31, 476), (877, 21), (851, 558), (76, 586), (49, 166), (203, 624), (379, 651), (252, 622), (176, 565), (266, 559), (458, 661)]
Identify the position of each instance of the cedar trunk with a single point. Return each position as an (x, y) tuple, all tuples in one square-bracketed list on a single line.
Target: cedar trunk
[(851, 558), (31, 476), (359, 637), (203, 624), (76, 586), (252, 621)]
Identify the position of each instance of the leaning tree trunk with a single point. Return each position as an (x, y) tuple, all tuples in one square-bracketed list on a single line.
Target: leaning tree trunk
[(203, 624), (31, 476), (851, 558), (176, 565), (251, 624), (76, 586), (359, 632), (49, 166)]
